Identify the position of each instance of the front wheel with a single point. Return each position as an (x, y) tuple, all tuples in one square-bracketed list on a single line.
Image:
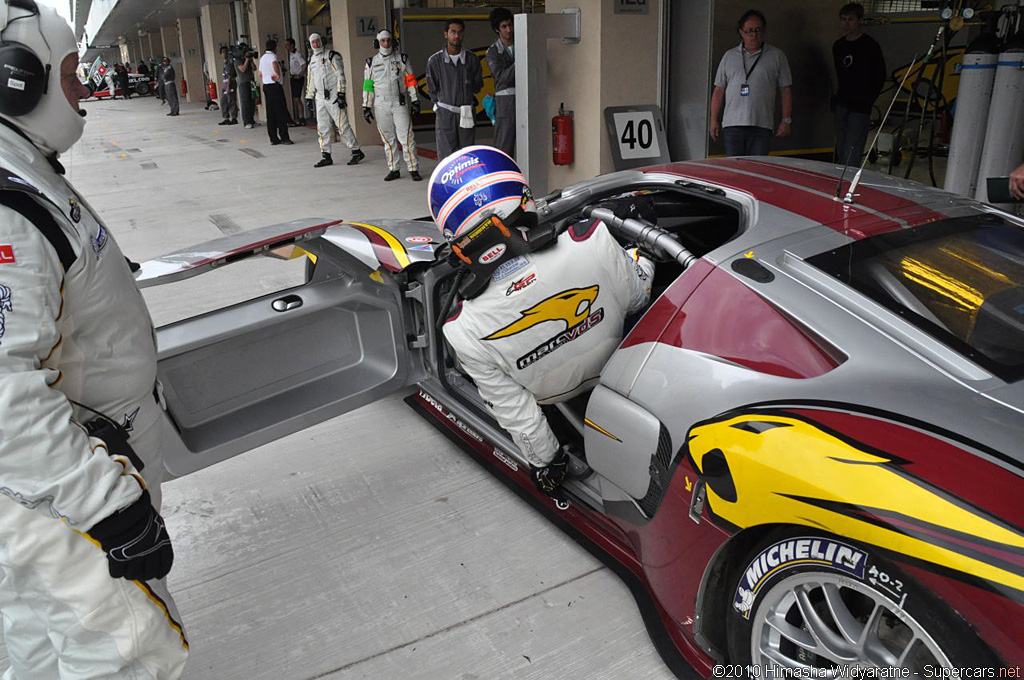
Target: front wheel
[(810, 600), (142, 89)]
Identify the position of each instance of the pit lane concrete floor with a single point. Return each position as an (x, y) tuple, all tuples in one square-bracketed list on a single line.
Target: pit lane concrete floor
[(368, 546)]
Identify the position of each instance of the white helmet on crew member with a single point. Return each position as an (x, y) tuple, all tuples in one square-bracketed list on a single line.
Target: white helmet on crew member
[(34, 40), (385, 51), (319, 47)]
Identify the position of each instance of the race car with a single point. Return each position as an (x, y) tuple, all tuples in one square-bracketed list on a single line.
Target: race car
[(805, 454), (138, 84)]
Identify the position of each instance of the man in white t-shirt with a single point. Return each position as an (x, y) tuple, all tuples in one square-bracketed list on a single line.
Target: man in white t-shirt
[(747, 78), (297, 76), (273, 93)]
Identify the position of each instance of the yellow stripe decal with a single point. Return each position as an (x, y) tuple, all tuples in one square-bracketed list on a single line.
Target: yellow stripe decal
[(589, 423), (396, 247), (163, 607)]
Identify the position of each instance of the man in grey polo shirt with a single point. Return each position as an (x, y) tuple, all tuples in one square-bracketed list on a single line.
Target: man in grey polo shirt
[(747, 78)]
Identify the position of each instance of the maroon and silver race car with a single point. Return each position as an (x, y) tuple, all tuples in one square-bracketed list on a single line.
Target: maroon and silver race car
[(807, 453)]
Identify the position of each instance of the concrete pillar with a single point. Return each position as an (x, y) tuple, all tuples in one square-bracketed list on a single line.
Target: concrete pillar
[(191, 59), (217, 31), (150, 53), (354, 50), (611, 79), (169, 45)]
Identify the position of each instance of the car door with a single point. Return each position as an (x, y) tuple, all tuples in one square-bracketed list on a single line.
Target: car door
[(235, 378)]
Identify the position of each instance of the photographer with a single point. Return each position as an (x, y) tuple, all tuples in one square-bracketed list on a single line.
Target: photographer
[(246, 72)]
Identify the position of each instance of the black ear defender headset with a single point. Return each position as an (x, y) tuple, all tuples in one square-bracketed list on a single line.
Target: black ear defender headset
[(23, 78), (394, 43)]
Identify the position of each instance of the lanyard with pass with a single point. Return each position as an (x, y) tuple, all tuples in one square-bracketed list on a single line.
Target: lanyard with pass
[(744, 88)]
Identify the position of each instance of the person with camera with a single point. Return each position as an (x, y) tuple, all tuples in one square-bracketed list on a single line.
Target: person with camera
[(245, 70), (83, 548), (325, 86), (229, 89)]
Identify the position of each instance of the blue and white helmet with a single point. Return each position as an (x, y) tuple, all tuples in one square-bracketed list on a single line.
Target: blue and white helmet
[(472, 184)]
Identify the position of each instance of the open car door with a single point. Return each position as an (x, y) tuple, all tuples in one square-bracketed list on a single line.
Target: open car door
[(235, 378)]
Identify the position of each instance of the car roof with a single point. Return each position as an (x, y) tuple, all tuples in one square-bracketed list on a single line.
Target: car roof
[(807, 190)]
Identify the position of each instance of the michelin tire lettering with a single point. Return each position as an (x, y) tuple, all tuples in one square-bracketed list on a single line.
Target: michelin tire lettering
[(794, 552)]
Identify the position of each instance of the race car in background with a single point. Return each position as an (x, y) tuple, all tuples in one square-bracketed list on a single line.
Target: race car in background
[(806, 453)]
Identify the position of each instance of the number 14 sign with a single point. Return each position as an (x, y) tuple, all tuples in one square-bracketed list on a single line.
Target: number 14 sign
[(637, 135)]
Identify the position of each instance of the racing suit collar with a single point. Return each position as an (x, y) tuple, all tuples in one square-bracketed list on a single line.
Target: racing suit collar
[(13, 139)]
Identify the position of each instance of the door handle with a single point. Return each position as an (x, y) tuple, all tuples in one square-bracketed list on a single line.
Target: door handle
[(286, 303)]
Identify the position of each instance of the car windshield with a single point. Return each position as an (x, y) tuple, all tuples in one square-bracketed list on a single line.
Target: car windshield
[(960, 280)]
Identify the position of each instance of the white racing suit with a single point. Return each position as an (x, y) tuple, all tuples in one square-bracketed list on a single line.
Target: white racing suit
[(389, 87), (544, 327), (325, 78), (85, 335)]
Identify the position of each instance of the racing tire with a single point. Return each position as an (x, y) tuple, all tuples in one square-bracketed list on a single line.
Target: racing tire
[(141, 89), (811, 599)]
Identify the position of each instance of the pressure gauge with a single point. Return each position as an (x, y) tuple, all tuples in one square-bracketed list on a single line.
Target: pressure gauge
[(968, 13), (946, 14)]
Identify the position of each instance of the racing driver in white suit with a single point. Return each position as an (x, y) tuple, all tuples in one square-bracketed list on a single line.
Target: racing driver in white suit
[(83, 549), (389, 93), (325, 86), (548, 320)]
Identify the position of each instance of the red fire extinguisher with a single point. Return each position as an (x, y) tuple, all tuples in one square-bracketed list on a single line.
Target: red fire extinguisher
[(184, 87), (562, 145), (211, 90)]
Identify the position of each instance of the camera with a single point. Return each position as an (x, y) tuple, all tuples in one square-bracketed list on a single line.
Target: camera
[(240, 51)]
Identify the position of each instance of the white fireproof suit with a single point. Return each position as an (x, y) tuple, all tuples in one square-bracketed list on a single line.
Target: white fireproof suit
[(544, 327), (325, 78), (82, 335), (385, 78)]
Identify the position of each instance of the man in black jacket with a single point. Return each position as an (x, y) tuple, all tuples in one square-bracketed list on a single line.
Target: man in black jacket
[(860, 68)]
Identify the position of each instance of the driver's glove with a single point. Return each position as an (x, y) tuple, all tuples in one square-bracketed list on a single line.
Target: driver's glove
[(550, 477), (136, 542)]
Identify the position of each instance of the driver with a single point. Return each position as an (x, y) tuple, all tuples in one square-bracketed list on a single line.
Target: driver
[(541, 313)]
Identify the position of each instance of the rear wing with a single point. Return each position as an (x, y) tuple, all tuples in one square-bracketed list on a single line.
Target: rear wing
[(195, 260)]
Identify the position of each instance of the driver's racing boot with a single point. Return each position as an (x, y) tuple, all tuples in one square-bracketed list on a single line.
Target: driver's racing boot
[(357, 156), (325, 161), (393, 175)]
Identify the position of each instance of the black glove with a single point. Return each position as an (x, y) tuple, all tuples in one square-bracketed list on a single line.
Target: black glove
[(368, 114), (311, 107), (136, 542), (327, 95), (549, 477), (340, 100), (416, 108)]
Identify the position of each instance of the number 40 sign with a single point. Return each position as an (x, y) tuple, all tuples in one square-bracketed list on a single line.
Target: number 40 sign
[(637, 135)]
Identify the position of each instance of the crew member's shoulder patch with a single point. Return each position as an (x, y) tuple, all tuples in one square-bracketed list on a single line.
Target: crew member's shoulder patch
[(581, 231)]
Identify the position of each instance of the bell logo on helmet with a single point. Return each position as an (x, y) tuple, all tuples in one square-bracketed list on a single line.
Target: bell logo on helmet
[(492, 254)]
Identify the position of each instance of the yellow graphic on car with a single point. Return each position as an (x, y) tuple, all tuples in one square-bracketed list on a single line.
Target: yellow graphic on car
[(773, 469)]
